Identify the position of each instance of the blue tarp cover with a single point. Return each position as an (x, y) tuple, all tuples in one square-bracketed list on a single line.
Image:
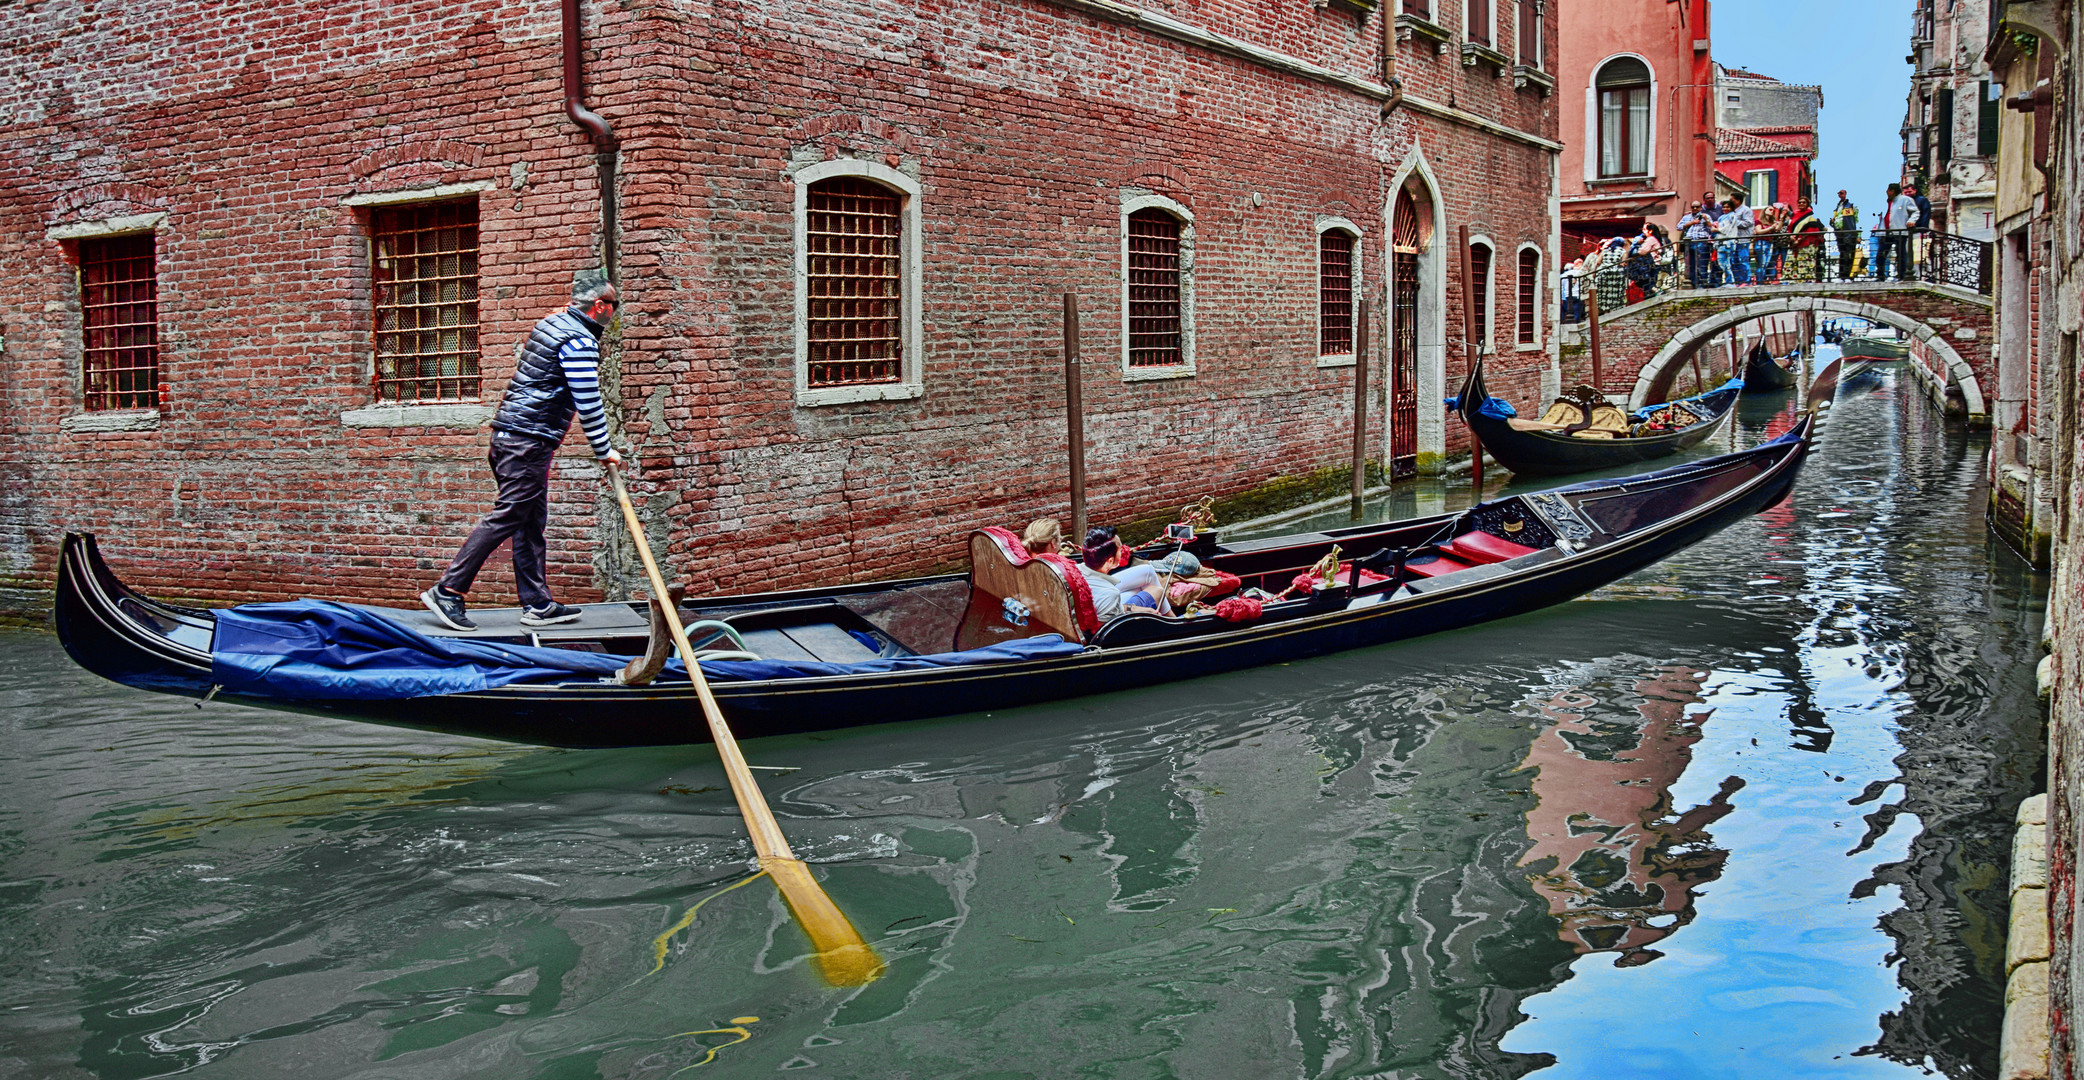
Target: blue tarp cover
[(1495, 408), (317, 649)]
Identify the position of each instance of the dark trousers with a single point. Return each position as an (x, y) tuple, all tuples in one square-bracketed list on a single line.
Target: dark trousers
[(1898, 244), (521, 466), (1700, 259), (1848, 242)]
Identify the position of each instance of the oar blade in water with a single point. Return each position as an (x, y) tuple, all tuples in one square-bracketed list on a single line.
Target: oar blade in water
[(843, 958)]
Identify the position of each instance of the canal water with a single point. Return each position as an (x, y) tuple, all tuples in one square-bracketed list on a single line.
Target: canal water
[(1744, 814)]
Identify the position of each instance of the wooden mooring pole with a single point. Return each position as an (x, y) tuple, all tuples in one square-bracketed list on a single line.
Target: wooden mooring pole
[(1074, 416), (1470, 345), (1360, 407)]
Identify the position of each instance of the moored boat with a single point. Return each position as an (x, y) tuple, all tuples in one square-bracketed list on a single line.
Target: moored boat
[(883, 652), (1764, 374), (1550, 448), (1878, 343)]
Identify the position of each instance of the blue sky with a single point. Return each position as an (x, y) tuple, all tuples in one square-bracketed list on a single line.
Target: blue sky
[(1854, 49)]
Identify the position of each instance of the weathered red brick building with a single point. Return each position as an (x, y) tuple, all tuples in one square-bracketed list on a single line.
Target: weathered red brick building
[(269, 267)]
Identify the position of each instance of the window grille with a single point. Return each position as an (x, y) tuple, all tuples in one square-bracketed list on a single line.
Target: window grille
[(424, 268), (853, 233), (1334, 293), (1530, 268), (1154, 289), (119, 299), (1480, 271)]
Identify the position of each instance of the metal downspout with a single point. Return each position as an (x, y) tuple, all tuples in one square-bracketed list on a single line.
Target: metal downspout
[(604, 143)]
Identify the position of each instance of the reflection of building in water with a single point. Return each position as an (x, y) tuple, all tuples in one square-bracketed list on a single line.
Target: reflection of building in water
[(1619, 869)]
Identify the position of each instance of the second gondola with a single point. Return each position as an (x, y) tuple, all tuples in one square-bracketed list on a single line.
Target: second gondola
[(1593, 435)]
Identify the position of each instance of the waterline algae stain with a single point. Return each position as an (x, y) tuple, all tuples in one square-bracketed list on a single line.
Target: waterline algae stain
[(1782, 805)]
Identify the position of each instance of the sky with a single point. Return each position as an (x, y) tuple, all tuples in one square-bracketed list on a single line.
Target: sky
[(1854, 49)]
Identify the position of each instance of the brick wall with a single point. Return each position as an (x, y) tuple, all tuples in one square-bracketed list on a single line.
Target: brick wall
[(1023, 123)]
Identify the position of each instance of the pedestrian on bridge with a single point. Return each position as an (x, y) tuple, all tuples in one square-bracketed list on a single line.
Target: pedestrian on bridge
[(1697, 229), (1737, 226), (1896, 222), (1845, 222)]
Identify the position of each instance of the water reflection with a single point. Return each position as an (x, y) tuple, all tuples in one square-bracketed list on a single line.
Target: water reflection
[(1784, 760), (1619, 867)]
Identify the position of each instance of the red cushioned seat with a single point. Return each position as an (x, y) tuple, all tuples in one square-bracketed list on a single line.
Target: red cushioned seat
[(1436, 566), (1482, 547)]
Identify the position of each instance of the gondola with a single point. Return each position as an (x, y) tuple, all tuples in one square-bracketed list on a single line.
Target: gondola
[(1764, 374), (1006, 634), (1876, 344), (1553, 453)]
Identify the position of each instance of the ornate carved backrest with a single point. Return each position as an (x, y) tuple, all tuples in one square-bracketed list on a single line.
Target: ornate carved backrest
[(1000, 571)]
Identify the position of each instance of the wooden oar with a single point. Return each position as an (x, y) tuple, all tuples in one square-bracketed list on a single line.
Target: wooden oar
[(843, 958)]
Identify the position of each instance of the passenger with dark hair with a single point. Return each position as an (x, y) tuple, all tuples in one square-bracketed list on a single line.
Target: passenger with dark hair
[(1103, 553)]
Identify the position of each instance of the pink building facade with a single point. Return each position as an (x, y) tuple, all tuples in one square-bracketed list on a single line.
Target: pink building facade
[(1635, 90)]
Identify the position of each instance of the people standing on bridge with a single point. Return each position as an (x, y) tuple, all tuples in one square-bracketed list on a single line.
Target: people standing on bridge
[(1895, 235), (1845, 222), (1573, 294), (1610, 278), (1921, 229), (1643, 253), (1697, 231), (1805, 239), (558, 377), (1712, 209), (1737, 226)]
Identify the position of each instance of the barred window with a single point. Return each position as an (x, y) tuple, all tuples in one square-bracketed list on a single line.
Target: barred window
[(854, 240), (1334, 293), (119, 299), (1155, 309), (1480, 272), (424, 268), (1529, 294)]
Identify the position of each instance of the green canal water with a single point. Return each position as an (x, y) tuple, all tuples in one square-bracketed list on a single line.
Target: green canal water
[(1744, 814)]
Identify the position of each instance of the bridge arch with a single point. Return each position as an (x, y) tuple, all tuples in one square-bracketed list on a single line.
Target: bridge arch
[(1683, 344)]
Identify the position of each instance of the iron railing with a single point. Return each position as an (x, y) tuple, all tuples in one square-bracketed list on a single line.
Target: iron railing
[(1624, 277)]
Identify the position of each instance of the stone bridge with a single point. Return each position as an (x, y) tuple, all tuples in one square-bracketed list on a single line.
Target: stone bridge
[(1645, 345)]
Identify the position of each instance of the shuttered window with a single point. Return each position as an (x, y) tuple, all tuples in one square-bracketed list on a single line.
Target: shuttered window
[(424, 270), (854, 242), (1334, 293), (119, 300), (1155, 309)]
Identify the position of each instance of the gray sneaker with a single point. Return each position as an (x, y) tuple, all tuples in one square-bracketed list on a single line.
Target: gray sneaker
[(448, 607), (549, 614)]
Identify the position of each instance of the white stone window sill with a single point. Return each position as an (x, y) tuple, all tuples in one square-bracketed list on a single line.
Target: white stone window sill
[(1529, 347), (110, 420), (459, 415), (1336, 360), (848, 395), (1154, 374)]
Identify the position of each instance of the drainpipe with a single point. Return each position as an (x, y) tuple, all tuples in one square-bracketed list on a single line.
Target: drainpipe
[(1389, 62), (604, 142)]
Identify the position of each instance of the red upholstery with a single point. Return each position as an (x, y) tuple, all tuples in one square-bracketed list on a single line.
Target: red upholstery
[(1482, 547), (1445, 564)]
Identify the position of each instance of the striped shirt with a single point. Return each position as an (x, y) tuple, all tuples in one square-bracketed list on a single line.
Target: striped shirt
[(580, 359)]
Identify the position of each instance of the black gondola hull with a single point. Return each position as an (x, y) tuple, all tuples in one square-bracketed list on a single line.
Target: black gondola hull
[(1542, 453), (99, 623)]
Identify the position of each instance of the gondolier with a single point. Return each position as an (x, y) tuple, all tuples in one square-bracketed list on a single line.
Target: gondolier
[(558, 377)]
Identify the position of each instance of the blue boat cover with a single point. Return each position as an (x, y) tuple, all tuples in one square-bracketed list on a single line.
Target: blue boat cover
[(320, 650), (1495, 408)]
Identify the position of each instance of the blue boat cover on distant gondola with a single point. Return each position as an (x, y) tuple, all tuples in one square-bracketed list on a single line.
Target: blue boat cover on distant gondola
[(320, 650), (1495, 408)]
